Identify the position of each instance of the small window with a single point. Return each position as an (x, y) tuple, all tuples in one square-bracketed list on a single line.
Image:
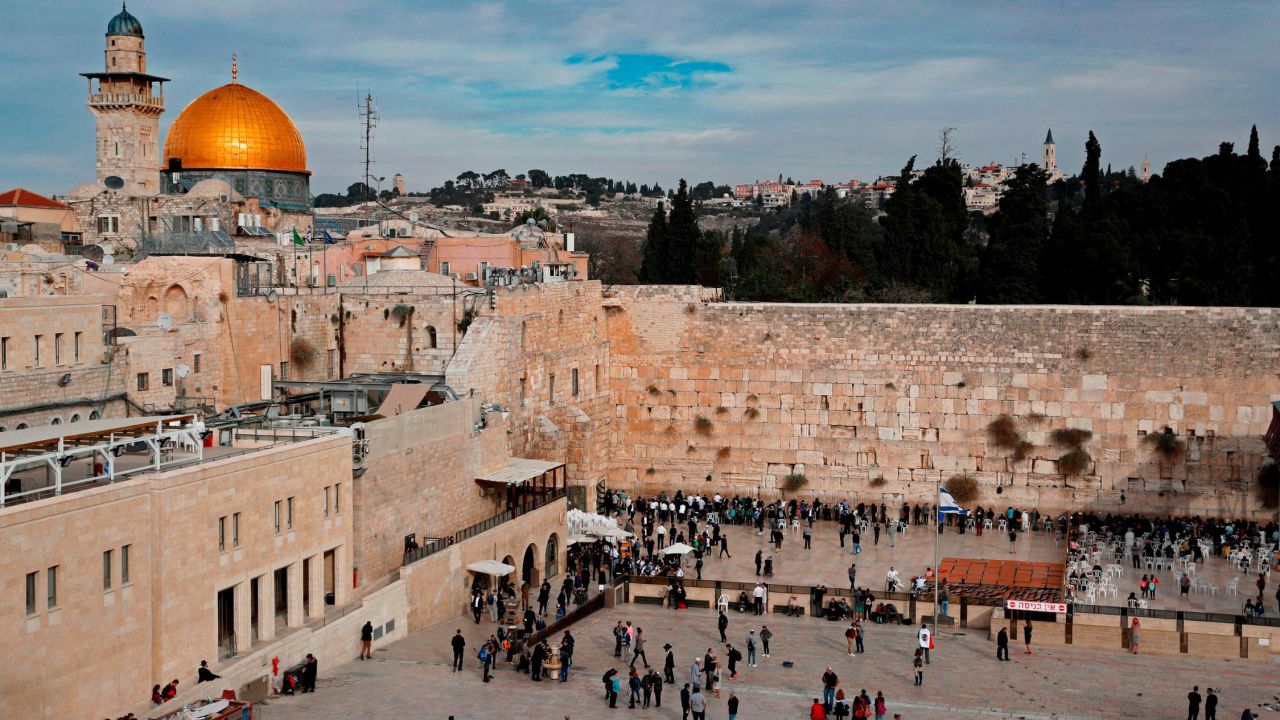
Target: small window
[(289, 515), (235, 530), (222, 534), (337, 499), (75, 417), (124, 564), (551, 389), (166, 377), (144, 381), (94, 415), (37, 349), (57, 349), (106, 569), (431, 337), (53, 587), (31, 592), (75, 347), (4, 353), (573, 381), (277, 516), (56, 421), (599, 380), (444, 268), (108, 224), (195, 363), (326, 501)]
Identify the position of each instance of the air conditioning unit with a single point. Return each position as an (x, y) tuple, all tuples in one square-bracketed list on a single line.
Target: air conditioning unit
[(453, 275), (11, 246), (470, 276)]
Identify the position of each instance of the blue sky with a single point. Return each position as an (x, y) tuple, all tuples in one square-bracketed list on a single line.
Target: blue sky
[(728, 91)]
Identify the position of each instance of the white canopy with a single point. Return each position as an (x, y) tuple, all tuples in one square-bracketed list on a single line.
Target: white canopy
[(491, 567), (576, 539), (585, 523), (677, 549)]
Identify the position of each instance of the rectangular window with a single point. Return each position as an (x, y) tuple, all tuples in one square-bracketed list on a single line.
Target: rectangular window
[(57, 349), (106, 570), (598, 379), (522, 388), (444, 268), (108, 224), (144, 381), (37, 344), (326, 501), (4, 353), (551, 389), (337, 499), (235, 530), (53, 587), (195, 363), (222, 534), (284, 371), (153, 224), (75, 347), (166, 377), (124, 564), (31, 592), (277, 519), (573, 381), (289, 515)]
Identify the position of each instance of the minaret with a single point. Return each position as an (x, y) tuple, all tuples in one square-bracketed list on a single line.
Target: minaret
[(1146, 169), (1050, 157), (126, 104)]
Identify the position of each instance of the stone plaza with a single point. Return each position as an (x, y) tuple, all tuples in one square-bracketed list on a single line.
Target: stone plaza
[(411, 678)]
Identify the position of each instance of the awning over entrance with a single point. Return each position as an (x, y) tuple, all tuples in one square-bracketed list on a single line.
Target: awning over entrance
[(517, 471)]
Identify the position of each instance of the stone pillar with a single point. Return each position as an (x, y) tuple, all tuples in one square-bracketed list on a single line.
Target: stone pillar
[(341, 576), (243, 614), (296, 616), (315, 576), (267, 606)]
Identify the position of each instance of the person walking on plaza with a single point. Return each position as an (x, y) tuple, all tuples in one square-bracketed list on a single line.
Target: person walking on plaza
[(917, 664), (759, 560), (477, 604), (1193, 703), (669, 665), (610, 680), (1002, 644), (857, 639), (723, 624), (880, 708), (544, 596), (633, 688), (459, 644), (751, 648), (310, 669), (758, 595), (926, 640), (724, 548), (1026, 636), (684, 702), (638, 652), (808, 537), (695, 672), (733, 655), (765, 636), (619, 632), (876, 533), (698, 704), (733, 706), (853, 575), (1211, 705), (1135, 636), (656, 681), (829, 682), (366, 641), (849, 635)]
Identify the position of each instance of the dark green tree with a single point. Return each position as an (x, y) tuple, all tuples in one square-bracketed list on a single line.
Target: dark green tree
[(1011, 261), (685, 241), (925, 227), (1092, 169), (1255, 152), (656, 250)]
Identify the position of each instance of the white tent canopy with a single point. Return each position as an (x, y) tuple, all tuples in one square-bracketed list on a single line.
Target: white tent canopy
[(585, 523), (491, 567), (677, 549)]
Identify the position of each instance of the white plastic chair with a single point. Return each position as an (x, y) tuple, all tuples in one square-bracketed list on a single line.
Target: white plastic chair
[(1004, 526), (1233, 587), (986, 524), (723, 604)]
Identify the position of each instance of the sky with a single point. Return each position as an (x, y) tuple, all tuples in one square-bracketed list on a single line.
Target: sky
[(655, 91)]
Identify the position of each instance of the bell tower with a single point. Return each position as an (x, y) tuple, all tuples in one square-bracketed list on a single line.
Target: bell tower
[(1050, 156), (126, 104)]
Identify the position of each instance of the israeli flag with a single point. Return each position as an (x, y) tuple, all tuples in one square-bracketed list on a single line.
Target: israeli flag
[(947, 504)]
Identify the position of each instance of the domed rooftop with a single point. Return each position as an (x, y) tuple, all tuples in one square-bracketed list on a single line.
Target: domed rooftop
[(124, 24), (234, 127)]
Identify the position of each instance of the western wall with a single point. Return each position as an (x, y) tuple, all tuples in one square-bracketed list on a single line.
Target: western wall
[(880, 402)]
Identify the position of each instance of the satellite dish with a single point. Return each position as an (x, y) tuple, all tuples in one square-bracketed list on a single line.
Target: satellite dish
[(182, 370), (113, 182), (108, 259), (164, 322), (272, 295)]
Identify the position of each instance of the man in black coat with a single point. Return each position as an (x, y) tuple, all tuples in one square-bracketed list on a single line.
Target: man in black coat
[(459, 644), (539, 656), (684, 702), (544, 595), (669, 665), (310, 669)]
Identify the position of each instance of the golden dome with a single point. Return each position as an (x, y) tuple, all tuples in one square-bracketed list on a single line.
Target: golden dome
[(235, 128)]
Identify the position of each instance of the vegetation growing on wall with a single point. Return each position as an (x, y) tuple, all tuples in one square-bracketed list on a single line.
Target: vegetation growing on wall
[(963, 488)]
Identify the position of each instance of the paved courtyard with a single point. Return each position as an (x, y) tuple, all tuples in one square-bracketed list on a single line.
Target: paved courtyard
[(412, 678)]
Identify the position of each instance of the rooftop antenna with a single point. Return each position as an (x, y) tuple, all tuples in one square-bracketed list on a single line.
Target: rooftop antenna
[(369, 120)]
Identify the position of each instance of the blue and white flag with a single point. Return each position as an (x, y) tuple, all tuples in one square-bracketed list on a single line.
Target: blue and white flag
[(328, 239), (947, 505)]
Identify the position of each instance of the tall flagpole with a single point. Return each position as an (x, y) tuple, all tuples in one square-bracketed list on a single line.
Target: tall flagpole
[(937, 541)]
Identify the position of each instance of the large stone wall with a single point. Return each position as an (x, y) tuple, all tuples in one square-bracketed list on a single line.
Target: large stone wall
[(848, 394), (523, 353)]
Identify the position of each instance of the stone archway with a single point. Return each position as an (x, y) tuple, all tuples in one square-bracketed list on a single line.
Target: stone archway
[(529, 567), (551, 563), (176, 303)]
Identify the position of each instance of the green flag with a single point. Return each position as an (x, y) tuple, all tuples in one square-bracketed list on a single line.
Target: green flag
[(297, 239)]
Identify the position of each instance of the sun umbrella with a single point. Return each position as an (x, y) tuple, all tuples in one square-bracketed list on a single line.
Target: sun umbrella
[(491, 567), (677, 549), (576, 539)]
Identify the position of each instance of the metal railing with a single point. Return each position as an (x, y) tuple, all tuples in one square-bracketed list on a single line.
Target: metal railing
[(436, 545), (1185, 615)]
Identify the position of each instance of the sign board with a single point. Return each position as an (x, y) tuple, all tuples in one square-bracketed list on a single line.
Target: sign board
[(1029, 606)]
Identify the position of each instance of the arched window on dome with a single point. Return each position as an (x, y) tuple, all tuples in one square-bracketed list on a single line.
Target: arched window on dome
[(94, 415)]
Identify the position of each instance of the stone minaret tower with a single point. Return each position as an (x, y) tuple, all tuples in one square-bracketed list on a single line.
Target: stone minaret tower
[(1050, 158), (1146, 169), (126, 104)]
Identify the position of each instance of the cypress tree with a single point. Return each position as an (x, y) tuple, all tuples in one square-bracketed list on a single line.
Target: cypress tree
[(683, 238), (1255, 153), (657, 250), (1092, 169), (1275, 159)]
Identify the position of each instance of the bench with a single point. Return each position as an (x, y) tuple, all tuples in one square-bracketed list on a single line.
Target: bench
[(783, 609), (647, 600), (697, 603)]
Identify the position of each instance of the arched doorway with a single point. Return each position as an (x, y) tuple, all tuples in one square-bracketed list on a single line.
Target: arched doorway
[(529, 568), (551, 564), (509, 580)]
